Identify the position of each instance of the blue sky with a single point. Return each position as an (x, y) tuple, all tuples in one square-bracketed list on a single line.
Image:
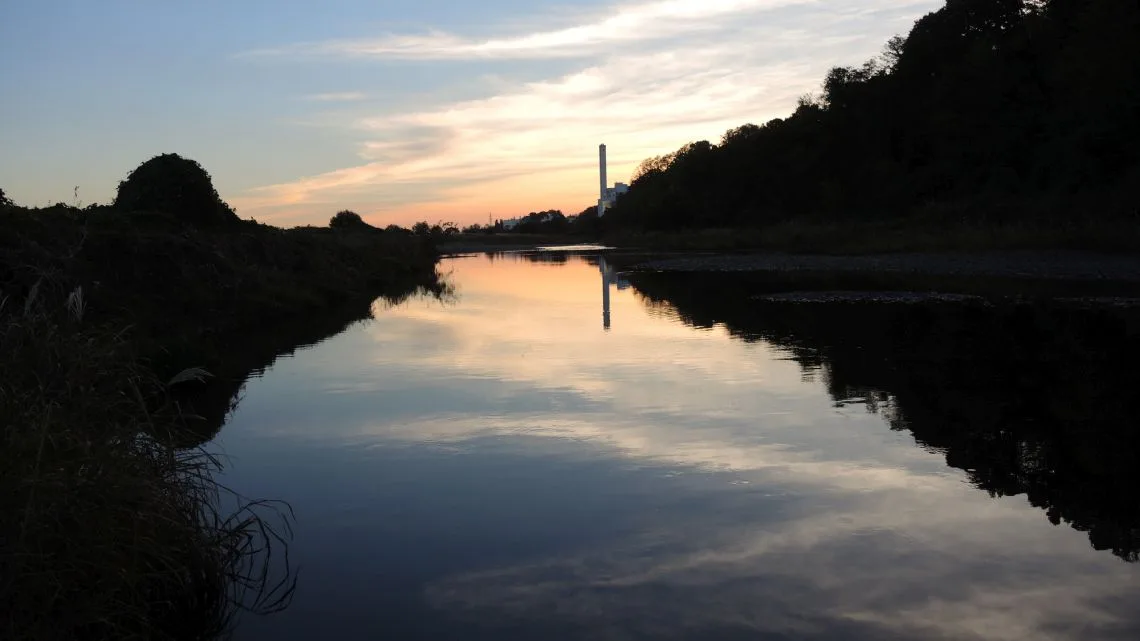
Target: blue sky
[(436, 110)]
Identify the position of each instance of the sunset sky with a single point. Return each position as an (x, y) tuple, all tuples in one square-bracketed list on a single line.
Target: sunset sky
[(402, 111)]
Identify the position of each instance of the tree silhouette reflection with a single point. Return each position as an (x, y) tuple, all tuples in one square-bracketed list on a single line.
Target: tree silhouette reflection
[(1030, 398), (213, 400)]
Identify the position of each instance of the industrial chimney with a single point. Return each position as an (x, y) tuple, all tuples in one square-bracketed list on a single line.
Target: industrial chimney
[(602, 176)]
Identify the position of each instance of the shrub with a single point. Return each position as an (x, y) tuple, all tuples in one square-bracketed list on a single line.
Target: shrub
[(347, 219), (172, 184)]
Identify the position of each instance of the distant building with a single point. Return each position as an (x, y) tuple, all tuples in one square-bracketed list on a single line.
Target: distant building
[(608, 195)]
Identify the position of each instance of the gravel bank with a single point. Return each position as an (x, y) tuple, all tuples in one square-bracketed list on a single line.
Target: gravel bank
[(868, 297), (925, 298), (1035, 265)]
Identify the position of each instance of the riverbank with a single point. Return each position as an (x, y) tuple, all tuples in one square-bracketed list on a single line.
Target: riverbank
[(113, 325), (808, 236), (885, 237), (182, 288), (1101, 279), (1059, 265), (470, 243)]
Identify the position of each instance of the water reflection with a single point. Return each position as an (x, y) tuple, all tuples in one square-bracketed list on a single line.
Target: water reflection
[(1031, 399), (607, 276), (503, 468), (213, 400)]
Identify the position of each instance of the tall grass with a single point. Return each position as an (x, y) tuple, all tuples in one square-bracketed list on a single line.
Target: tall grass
[(107, 530)]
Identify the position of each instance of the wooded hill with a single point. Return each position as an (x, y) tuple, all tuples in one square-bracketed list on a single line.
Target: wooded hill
[(989, 111)]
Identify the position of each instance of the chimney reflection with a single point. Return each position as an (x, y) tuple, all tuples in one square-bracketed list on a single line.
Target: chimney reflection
[(607, 274)]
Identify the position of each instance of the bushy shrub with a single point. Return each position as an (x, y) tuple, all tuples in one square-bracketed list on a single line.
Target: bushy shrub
[(172, 184), (347, 219)]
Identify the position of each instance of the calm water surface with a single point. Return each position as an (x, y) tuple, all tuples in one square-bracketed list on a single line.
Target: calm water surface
[(506, 466)]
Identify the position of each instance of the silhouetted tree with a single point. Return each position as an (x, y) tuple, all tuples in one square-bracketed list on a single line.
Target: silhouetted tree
[(892, 52), (175, 185), (586, 223), (552, 221), (348, 220)]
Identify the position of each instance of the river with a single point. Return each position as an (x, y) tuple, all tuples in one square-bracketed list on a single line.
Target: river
[(564, 451)]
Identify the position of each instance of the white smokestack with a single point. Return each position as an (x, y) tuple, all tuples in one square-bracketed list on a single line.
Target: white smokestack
[(602, 176)]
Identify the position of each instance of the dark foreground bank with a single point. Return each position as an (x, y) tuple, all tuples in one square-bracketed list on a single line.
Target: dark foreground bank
[(125, 336)]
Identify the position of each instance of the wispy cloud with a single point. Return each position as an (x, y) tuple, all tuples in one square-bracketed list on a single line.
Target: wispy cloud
[(345, 96), (621, 24), (652, 77)]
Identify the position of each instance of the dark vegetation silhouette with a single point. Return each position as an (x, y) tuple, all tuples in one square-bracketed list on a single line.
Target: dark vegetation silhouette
[(1032, 398), (118, 326), (174, 185), (989, 112), (349, 220), (586, 223), (549, 226), (551, 221), (436, 232), (107, 531)]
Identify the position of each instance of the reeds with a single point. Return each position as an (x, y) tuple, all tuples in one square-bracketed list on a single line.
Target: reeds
[(107, 529)]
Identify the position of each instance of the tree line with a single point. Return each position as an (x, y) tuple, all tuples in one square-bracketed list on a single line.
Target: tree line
[(988, 111), (550, 221), (348, 220)]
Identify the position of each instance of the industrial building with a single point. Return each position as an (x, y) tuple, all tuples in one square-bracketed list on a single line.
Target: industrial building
[(608, 195)]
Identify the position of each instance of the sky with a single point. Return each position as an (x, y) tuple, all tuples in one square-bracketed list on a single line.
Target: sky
[(438, 110)]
